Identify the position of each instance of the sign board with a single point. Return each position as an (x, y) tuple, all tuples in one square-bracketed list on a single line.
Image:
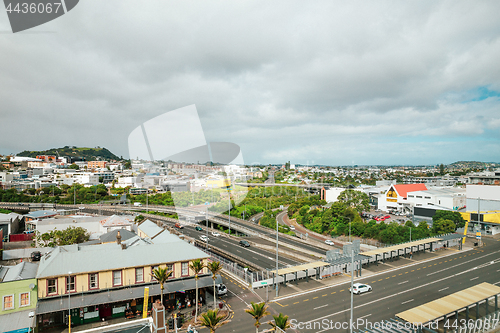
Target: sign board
[(145, 306), (263, 283), (478, 235)]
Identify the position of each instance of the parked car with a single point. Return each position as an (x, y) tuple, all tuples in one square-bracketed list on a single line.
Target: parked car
[(329, 242), (179, 226), (387, 217), (36, 255), (204, 238), (215, 234), (292, 228), (198, 228), (244, 243), (359, 288)]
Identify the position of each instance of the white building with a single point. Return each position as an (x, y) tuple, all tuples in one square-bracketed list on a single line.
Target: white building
[(452, 198)]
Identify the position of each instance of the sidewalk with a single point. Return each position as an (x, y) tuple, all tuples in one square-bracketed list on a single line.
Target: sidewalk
[(303, 286)]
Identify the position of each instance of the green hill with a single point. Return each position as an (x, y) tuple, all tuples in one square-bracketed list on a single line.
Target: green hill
[(88, 153)]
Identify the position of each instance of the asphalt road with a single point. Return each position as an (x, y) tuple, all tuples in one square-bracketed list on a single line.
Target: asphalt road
[(395, 291)]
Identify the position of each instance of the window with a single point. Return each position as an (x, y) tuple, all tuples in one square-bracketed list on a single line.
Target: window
[(170, 267), (117, 278), (93, 281), (24, 299), (139, 275), (51, 286), (8, 302), (152, 270), (419, 196), (410, 196), (427, 197), (184, 269), (70, 283)]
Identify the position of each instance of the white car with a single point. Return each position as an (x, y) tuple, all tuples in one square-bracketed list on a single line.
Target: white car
[(359, 288), (204, 238), (215, 234), (292, 227), (329, 242)]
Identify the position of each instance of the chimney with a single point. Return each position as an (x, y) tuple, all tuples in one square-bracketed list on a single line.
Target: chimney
[(118, 238)]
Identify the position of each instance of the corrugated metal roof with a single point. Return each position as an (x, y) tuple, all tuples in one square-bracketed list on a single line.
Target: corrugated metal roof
[(41, 213), (111, 236), (110, 256), (22, 271), (166, 237), (150, 228)]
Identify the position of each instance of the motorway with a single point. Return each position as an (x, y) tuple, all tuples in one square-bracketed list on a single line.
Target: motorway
[(396, 290)]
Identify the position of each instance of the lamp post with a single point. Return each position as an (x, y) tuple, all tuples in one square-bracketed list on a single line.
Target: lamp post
[(349, 228), (277, 276), (69, 301), (352, 291)]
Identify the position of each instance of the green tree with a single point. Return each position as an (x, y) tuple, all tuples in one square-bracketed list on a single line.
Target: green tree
[(161, 275), (211, 320), (280, 321), (355, 199), (197, 267), (456, 217), (443, 226), (74, 166), (441, 169), (257, 311), (215, 267), (71, 235)]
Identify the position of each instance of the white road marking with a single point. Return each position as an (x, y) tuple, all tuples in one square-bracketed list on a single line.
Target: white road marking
[(408, 301), (319, 307), (403, 282), (368, 315), (443, 289), (497, 282), (477, 277)]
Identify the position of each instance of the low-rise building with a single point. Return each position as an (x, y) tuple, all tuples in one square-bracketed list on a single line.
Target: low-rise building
[(103, 280), (18, 294)]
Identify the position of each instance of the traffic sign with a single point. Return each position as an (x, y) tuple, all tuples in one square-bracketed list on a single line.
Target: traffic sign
[(478, 235)]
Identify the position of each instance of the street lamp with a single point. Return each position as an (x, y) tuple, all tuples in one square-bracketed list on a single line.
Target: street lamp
[(69, 301), (349, 228)]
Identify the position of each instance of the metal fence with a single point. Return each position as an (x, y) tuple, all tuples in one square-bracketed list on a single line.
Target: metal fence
[(488, 323), (230, 266)]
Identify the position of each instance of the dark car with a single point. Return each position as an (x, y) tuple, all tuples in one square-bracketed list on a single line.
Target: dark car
[(198, 228), (244, 243), (35, 255)]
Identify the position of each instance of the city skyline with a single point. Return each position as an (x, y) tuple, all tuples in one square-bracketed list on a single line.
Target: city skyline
[(329, 83)]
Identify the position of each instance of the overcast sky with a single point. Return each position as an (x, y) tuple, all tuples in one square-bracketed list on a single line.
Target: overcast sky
[(323, 82)]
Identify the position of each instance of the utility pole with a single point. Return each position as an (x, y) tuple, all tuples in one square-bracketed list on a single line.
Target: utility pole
[(277, 276), (352, 291)]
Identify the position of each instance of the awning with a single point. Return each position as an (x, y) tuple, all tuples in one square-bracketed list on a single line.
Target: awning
[(128, 293), (300, 268), (389, 249), (437, 309), (17, 321)]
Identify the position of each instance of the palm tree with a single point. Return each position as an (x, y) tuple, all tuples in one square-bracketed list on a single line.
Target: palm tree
[(161, 275), (280, 321), (257, 311), (197, 267), (214, 267), (211, 319)]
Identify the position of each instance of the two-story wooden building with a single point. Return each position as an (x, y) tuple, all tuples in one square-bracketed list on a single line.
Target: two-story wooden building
[(100, 281)]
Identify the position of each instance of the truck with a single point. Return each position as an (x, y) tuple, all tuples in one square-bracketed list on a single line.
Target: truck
[(137, 204)]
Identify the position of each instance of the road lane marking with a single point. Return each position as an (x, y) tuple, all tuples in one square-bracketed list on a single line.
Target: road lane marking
[(296, 303), (334, 292), (319, 307), (380, 280), (497, 282), (477, 277), (403, 282), (315, 297), (306, 300), (324, 295), (394, 275), (408, 301), (368, 315), (281, 304), (443, 289)]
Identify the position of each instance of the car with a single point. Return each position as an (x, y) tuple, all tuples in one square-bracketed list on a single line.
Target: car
[(244, 243), (359, 288), (220, 288), (387, 217), (204, 238), (215, 234), (292, 227), (36, 255), (198, 228), (179, 226), (329, 242)]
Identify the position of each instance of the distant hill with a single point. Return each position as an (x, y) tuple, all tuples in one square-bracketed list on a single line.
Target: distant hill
[(88, 153), (474, 164)]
